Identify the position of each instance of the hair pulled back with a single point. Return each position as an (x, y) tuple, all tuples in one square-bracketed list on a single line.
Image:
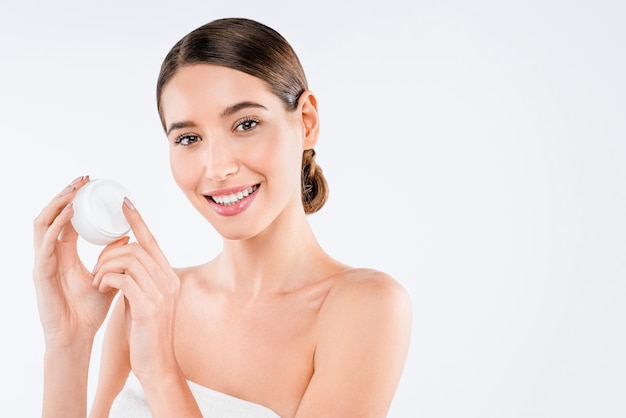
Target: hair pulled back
[(253, 48)]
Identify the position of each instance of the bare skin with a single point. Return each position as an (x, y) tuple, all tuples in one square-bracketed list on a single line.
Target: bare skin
[(272, 319)]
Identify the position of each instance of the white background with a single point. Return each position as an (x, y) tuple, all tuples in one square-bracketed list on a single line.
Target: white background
[(475, 150)]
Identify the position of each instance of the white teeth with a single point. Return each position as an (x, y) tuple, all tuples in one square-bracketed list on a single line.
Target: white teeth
[(228, 200)]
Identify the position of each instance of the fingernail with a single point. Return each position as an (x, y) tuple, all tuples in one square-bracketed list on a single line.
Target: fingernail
[(94, 270), (76, 180), (128, 203), (69, 205), (67, 190)]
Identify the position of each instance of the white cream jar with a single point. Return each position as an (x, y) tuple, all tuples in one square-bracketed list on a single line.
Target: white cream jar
[(98, 216)]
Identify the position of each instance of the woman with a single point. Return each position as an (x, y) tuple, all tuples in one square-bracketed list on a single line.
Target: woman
[(272, 326)]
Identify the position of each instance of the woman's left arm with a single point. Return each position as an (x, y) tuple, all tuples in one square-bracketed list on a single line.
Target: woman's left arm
[(365, 333), (150, 289)]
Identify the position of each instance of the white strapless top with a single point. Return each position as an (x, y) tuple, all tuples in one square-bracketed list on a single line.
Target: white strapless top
[(131, 403)]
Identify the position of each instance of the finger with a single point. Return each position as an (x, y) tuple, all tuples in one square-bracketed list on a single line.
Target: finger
[(160, 273), (120, 242), (54, 207), (127, 264), (134, 298), (124, 283), (47, 242), (46, 217), (134, 260), (142, 233)]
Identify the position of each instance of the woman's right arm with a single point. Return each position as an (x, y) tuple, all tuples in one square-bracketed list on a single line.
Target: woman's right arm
[(71, 309)]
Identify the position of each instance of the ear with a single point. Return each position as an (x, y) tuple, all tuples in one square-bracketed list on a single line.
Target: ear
[(310, 119)]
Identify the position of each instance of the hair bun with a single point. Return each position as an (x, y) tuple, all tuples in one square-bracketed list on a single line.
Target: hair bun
[(314, 185)]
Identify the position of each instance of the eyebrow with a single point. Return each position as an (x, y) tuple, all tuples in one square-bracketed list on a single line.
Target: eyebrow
[(241, 105), (180, 125), (227, 112)]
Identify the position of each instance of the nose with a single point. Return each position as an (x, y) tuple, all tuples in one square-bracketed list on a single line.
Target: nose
[(220, 163)]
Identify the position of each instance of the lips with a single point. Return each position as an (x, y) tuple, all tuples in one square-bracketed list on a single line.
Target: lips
[(229, 202)]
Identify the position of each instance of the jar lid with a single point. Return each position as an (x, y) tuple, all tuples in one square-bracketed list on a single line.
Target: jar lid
[(98, 216)]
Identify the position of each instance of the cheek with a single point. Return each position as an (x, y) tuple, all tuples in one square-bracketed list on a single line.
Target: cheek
[(281, 163), (184, 171), (282, 154)]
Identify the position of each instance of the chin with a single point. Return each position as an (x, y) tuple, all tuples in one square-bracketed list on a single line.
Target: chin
[(240, 235)]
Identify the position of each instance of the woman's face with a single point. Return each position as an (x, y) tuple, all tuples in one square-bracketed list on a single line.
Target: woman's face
[(235, 151)]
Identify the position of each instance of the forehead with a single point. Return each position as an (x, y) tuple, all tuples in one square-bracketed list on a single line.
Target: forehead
[(207, 87)]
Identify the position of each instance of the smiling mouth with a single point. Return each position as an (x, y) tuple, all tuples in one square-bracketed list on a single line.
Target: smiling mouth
[(234, 198)]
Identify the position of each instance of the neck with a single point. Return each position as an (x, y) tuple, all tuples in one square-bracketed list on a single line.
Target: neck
[(284, 257)]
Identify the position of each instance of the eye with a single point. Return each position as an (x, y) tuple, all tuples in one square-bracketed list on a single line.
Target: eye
[(186, 140), (246, 124)]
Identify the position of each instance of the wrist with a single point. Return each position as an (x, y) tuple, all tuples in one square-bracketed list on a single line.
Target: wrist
[(66, 371), (164, 371), (76, 349), (75, 344), (169, 394)]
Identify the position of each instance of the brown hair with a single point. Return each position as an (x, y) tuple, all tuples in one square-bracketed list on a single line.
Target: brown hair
[(253, 48)]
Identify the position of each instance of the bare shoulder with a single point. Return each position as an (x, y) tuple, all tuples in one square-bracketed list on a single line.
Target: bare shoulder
[(374, 288), (368, 298)]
